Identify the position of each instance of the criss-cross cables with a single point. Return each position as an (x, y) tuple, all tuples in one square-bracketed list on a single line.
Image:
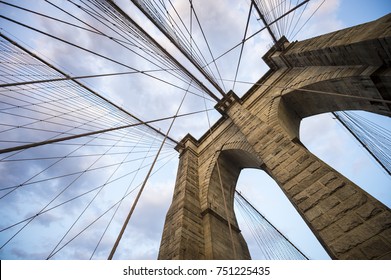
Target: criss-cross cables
[(169, 21), (72, 116), (273, 21), (272, 243), (70, 175), (260, 8), (173, 26), (142, 35), (127, 22), (78, 113), (278, 15), (374, 138), (76, 90), (94, 198), (289, 25), (114, 206), (308, 19), (132, 209), (205, 39), (50, 207), (131, 36), (119, 204), (242, 45), (58, 181)]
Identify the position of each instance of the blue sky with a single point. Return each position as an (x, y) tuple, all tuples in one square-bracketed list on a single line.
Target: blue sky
[(224, 24)]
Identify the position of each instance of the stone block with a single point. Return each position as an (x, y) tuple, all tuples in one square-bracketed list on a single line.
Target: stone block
[(296, 189), (301, 171), (294, 150), (328, 203), (335, 184), (321, 194), (385, 257), (353, 254), (300, 176), (306, 204), (331, 233), (368, 210), (342, 209), (321, 222), (303, 158), (328, 178), (350, 240), (313, 213), (300, 197), (380, 222), (311, 178), (345, 192), (314, 166), (273, 163), (317, 197), (386, 234), (283, 176), (375, 248), (349, 222)]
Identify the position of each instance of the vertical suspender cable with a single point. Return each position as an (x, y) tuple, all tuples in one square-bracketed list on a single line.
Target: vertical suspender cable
[(226, 210), (113, 250)]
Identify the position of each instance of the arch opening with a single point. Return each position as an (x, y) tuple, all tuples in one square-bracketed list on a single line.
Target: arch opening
[(326, 138), (323, 93), (265, 195), (242, 170)]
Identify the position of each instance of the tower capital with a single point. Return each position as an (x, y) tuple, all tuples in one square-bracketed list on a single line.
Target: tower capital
[(225, 103)]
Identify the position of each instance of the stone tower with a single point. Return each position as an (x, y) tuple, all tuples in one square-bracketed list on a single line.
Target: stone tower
[(344, 70)]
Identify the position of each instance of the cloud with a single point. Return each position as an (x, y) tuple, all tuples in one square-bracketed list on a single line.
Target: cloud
[(319, 17)]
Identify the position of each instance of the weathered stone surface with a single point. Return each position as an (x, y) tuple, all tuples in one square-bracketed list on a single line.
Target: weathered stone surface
[(313, 213), (328, 203), (261, 130), (354, 254), (321, 222), (351, 240), (345, 192), (368, 210), (375, 248), (343, 209), (387, 235), (331, 233), (380, 222), (349, 222)]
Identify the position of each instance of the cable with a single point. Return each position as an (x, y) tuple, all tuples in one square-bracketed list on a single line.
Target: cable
[(143, 185), (270, 240), (242, 47), (374, 138), (155, 13)]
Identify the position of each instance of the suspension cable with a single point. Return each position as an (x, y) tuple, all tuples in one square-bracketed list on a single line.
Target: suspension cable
[(273, 243), (375, 140), (80, 84), (144, 183), (242, 47)]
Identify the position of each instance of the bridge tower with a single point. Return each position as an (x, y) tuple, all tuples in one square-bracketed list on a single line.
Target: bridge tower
[(344, 70)]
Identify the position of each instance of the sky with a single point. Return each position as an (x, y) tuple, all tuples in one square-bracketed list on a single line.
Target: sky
[(223, 22)]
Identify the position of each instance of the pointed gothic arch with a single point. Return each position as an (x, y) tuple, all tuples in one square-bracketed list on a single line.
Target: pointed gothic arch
[(347, 221)]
